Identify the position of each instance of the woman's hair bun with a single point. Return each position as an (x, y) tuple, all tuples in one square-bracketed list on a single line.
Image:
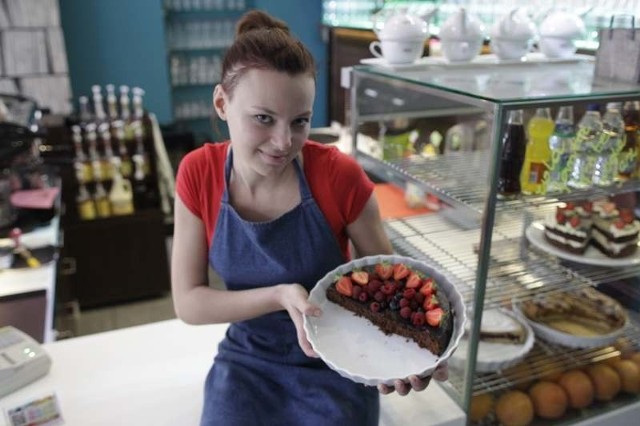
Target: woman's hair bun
[(259, 20)]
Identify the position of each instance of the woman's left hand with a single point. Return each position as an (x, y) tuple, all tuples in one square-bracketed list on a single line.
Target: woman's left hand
[(414, 382)]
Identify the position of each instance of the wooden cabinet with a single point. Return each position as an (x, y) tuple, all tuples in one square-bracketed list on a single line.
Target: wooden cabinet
[(117, 259)]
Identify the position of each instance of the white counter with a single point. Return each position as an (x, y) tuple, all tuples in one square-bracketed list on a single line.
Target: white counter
[(26, 280), (153, 375)]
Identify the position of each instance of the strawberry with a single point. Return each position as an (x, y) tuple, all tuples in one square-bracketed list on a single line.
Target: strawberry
[(587, 206), (570, 206), (431, 303), (619, 223), (574, 221), (345, 286), (360, 277), (627, 215), (434, 317), (400, 271), (561, 218), (414, 281), (384, 270), (428, 287)]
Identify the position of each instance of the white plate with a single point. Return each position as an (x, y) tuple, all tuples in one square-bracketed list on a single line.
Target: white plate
[(358, 350), (569, 340), (592, 256), (495, 356), (381, 62), (489, 59)]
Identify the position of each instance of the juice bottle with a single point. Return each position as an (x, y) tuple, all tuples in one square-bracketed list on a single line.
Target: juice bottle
[(560, 144), (538, 154), (628, 160), (514, 144)]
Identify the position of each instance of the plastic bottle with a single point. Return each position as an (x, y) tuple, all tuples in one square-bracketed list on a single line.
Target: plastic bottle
[(583, 159), (628, 160), (605, 169), (538, 155), (514, 145), (121, 194), (560, 144), (86, 206)]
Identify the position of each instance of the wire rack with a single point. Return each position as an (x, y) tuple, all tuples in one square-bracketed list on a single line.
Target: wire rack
[(516, 271), (467, 186)]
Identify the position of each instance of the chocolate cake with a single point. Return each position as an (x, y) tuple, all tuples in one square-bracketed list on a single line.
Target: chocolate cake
[(406, 303)]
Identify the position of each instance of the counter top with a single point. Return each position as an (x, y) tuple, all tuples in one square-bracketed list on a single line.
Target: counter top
[(153, 375)]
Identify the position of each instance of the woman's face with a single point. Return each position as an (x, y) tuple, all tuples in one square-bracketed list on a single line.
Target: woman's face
[(268, 118)]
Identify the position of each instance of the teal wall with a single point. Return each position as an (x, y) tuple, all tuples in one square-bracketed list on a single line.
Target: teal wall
[(119, 42), (123, 42)]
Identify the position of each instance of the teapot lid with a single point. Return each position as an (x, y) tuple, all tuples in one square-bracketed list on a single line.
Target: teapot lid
[(403, 26), (462, 26), (562, 24), (514, 26)]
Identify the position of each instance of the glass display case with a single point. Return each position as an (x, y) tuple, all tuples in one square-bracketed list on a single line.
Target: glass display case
[(477, 238)]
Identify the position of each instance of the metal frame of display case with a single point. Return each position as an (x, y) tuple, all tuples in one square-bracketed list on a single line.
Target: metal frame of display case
[(378, 93)]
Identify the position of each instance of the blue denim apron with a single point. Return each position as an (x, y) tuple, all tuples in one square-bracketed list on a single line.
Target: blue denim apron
[(260, 376)]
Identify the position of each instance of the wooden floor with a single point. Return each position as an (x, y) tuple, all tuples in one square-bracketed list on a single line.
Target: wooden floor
[(77, 322)]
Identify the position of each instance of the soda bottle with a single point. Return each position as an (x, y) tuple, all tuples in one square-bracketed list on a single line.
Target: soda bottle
[(514, 145), (584, 148), (605, 169), (560, 144), (538, 155), (628, 160)]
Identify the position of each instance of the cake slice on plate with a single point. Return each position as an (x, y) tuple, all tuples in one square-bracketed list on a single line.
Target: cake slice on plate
[(398, 301)]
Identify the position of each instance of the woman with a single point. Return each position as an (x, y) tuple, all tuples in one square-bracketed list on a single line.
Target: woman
[(272, 213)]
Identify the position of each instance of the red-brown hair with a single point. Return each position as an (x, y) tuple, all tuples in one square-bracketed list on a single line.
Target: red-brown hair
[(264, 42)]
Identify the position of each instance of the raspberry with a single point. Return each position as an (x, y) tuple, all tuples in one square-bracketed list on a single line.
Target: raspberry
[(374, 306), (409, 293), (388, 288), (418, 320), (403, 303), (356, 291), (414, 304), (405, 312), (419, 297), (379, 296), (363, 297), (374, 285)]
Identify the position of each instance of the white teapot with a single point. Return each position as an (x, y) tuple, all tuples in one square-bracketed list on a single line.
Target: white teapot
[(402, 37), (512, 36), (558, 32), (461, 36)]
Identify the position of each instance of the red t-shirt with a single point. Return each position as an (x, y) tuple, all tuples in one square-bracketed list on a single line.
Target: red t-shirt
[(337, 182)]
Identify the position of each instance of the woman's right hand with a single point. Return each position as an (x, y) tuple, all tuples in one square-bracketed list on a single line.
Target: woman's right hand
[(295, 299)]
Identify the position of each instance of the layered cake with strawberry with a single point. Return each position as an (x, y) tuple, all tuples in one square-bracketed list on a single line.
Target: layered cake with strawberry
[(570, 229), (399, 301), (576, 226), (615, 231)]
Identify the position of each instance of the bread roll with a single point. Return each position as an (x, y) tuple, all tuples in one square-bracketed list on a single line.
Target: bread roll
[(605, 380), (629, 375), (578, 387), (549, 399), (481, 406), (514, 408)]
